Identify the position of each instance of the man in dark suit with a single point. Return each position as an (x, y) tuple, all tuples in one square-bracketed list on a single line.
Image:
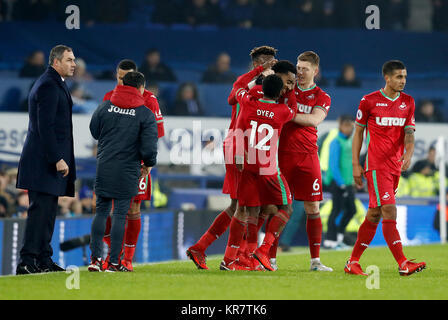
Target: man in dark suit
[(47, 164)]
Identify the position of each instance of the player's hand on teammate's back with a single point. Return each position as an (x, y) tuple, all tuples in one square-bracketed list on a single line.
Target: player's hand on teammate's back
[(62, 167), (358, 172), (406, 159)]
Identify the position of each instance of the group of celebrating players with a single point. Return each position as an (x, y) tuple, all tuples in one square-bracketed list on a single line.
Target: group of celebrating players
[(271, 157), (280, 106)]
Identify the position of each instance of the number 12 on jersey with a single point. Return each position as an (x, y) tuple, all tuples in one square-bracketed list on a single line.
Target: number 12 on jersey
[(261, 145)]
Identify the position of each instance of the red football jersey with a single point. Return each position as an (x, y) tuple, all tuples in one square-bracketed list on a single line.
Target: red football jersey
[(386, 120), (152, 104), (258, 128), (144, 189), (241, 82), (297, 138)]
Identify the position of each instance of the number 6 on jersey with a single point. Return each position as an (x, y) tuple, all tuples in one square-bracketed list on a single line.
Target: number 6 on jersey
[(316, 185)]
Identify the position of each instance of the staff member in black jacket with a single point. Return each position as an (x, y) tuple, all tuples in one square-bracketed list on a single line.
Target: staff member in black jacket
[(127, 135), (47, 164)]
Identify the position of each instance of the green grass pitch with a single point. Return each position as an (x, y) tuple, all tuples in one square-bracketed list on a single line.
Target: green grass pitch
[(181, 280)]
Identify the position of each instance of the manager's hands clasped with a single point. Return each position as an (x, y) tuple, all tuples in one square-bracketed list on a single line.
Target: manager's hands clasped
[(62, 167)]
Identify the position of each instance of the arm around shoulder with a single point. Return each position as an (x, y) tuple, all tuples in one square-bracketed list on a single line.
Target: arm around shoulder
[(310, 120)]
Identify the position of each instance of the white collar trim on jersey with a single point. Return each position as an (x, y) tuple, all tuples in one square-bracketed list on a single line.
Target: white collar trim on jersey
[(310, 88), (399, 93)]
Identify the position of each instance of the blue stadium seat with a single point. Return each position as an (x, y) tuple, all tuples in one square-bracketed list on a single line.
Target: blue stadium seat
[(213, 97), (188, 75), (97, 45), (181, 27), (11, 100)]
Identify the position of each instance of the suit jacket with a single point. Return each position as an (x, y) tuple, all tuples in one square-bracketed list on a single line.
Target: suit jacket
[(49, 138)]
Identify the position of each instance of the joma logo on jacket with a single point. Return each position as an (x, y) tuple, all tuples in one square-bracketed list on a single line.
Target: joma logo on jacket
[(115, 109)]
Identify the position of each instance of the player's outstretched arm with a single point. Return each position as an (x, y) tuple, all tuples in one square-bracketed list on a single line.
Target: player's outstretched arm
[(265, 73), (358, 171), (409, 141), (310, 120), (244, 80)]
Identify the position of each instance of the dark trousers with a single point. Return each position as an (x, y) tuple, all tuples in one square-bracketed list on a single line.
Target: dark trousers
[(39, 228), (103, 207), (343, 200)]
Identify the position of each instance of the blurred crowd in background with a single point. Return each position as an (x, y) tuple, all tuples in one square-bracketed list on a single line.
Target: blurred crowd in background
[(182, 98), (395, 14), (412, 15), (186, 101), (14, 203), (421, 180)]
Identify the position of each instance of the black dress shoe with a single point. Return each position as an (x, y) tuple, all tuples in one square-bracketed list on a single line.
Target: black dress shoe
[(51, 267), (23, 268)]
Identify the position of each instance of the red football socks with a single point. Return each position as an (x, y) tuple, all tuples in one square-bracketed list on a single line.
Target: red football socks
[(252, 234), (243, 244), (366, 233), (273, 250), (218, 227), (273, 230), (124, 238), (131, 236), (393, 240), (237, 229), (314, 231)]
